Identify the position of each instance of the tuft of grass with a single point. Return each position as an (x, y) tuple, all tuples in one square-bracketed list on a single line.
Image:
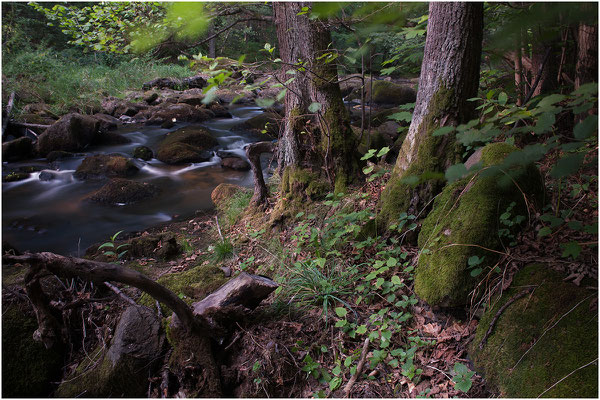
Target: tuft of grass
[(236, 206), (223, 250), (66, 83)]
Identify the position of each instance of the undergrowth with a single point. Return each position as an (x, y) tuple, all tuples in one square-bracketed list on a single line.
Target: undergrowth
[(67, 83)]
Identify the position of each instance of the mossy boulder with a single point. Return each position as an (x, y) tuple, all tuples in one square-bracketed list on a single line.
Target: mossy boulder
[(553, 332), (219, 110), (186, 145), (143, 153), (386, 92), (18, 149), (103, 166), (267, 121), (107, 122), (73, 132), (224, 192), (59, 155), (180, 112), (28, 368), (15, 176), (162, 246), (124, 369), (123, 191), (464, 222)]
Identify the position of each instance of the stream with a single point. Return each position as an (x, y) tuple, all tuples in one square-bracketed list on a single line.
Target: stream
[(53, 215)]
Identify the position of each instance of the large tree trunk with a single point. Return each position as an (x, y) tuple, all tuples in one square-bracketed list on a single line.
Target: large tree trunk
[(327, 148), (586, 68), (449, 76)]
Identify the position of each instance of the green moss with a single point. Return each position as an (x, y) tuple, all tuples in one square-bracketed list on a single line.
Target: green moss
[(28, 368), (428, 166), (569, 342), (464, 221), (193, 285), (391, 93)]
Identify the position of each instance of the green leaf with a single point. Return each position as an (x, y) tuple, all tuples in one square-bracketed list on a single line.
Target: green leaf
[(264, 103), (391, 262), (401, 116), (314, 107), (383, 151), (567, 165), (368, 154), (545, 231), (362, 329), (341, 323), (455, 172), (502, 98), (444, 130), (107, 244), (301, 213), (551, 100), (109, 253), (571, 249), (320, 262), (335, 383), (396, 280), (586, 128), (341, 312)]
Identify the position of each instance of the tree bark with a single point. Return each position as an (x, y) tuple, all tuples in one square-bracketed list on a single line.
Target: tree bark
[(586, 68), (449, 76), (330, 148)]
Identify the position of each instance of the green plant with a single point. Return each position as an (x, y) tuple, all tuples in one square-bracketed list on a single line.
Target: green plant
[(236, 206), (223, 250), (186, 246), (115, 254), (462, 377)]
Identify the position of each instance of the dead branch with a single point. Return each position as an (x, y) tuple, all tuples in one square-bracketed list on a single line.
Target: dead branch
[(500, 311), (359, 368), (94, 271), (28, 125)]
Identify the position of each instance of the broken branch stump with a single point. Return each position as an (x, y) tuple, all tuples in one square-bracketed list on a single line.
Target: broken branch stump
[(253, 152)]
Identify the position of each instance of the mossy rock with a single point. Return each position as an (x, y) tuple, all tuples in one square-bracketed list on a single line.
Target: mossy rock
[(15, 176), (28, 368), (103, 166), (385, 92), (186, 145), (560, 319), (18, 149), (464, 220), (73, 132), (192, 285), (143, 153), (124, 369), (122, 191), (268, 121), (162, 246), (223, 193)]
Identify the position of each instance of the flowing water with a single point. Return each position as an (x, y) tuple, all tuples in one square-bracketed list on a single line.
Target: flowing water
[(54, 215)]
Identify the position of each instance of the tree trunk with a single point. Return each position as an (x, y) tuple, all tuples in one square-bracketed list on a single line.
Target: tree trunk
[(212, 42), (586, 68), (449, 76), (253, 152), (519, 70), (328, 147)]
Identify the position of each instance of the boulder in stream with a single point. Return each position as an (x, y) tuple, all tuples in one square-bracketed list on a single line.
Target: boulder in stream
[(186, 145), (107, 122), (143, 153), (235, 163), (102, 166), (123, 191), (180, 112), (18, 149), (267, 122), (73, 132)]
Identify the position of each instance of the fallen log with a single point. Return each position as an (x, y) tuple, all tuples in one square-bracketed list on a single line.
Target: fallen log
[(253, 152), (99, 272), (232, 301)]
